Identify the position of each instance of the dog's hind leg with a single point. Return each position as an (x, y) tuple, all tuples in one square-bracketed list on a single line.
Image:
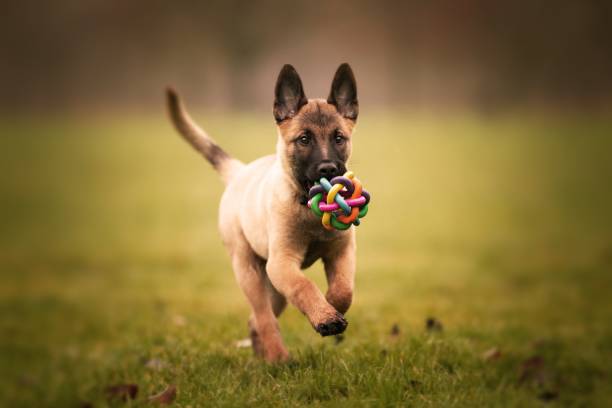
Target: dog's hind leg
[(279, 304), (265, 335)]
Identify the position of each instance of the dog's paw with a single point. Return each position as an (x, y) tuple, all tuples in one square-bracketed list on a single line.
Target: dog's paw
[(335, 325)]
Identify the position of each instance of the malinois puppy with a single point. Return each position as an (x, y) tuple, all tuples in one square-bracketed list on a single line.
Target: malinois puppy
[(269, 232)]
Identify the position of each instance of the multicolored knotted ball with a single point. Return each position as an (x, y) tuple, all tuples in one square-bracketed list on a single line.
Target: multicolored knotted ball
[(340, 202)]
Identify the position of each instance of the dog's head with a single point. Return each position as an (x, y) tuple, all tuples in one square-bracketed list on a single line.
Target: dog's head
[(315, 135)]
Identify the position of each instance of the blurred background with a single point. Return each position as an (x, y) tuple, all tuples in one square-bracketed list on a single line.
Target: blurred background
[(225, 54), (484, 136)]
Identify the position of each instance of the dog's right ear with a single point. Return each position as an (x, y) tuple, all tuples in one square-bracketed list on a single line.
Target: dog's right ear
[(288, 94)]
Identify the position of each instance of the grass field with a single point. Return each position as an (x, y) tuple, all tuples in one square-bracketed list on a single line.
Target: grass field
[(499, 228)]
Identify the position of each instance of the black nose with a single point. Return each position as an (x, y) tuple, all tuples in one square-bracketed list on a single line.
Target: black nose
[(327, 170)]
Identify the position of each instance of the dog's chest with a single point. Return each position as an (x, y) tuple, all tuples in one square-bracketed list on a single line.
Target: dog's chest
[(314, 251), (320, 244), (316, 241)]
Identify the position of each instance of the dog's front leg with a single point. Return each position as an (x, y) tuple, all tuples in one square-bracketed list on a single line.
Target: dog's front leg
[(284, 272), (340, 272)]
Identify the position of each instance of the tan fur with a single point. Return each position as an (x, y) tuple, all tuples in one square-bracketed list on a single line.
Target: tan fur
[(271, 237)]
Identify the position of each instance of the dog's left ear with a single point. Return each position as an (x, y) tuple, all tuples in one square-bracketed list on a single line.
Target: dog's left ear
[(343, 94)]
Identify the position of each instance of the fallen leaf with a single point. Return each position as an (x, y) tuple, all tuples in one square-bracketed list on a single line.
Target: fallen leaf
[(165, 397), (395, 330), (548, 396), (122, 391), (491, 354), (433, 325)]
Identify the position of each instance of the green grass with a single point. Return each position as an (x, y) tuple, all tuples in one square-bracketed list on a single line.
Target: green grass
[(500, 228)]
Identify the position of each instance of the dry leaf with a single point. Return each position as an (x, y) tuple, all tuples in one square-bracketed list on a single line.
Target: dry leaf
[(548, 396), (165, 397), (491, 354)]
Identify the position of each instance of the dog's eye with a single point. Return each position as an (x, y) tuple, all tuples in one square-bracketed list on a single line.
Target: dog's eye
[(304, 140), (339, 139)]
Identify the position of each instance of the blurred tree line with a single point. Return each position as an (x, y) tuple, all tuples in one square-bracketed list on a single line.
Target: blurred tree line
[(105, 54)]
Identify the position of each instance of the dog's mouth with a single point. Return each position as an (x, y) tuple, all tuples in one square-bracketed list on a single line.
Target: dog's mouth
[(308, 184), (309, 179)]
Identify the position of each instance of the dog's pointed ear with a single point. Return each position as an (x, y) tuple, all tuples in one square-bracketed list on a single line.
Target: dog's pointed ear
[(343, 94), (289, 94)]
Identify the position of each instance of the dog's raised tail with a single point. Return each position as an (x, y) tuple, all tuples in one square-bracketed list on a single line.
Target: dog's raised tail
[(199, 139)]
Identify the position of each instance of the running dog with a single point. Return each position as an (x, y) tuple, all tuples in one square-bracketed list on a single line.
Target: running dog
[(268, 230)]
